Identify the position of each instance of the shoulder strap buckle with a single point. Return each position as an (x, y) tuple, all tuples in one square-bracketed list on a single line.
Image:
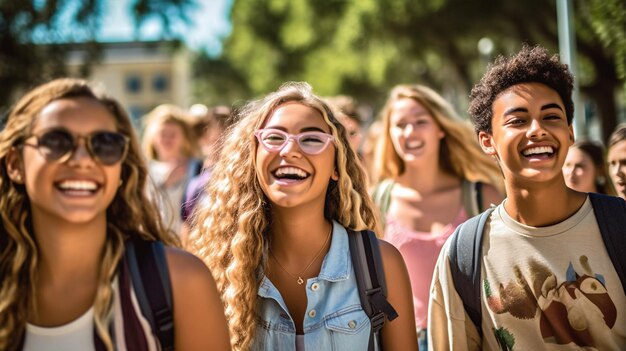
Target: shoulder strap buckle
[(377, 321)]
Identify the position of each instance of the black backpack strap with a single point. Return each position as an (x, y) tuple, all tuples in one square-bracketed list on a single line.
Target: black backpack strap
[(465, 256), (370, 277), (610, 214), (479, 196), (149, 274)]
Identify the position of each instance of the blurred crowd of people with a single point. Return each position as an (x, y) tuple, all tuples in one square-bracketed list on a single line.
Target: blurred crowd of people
[(255, 205)]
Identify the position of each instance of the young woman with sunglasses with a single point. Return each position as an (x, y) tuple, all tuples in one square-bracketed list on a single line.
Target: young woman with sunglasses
[(72, 180), (273, 230)]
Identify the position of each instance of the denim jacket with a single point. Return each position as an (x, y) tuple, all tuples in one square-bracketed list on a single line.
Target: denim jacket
[(334, 319)]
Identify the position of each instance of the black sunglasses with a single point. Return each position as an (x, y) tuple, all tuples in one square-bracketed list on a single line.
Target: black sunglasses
[(59, 144)]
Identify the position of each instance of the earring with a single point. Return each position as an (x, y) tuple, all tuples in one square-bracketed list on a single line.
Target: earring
[(600, 180), (18, 179), (121, 183)]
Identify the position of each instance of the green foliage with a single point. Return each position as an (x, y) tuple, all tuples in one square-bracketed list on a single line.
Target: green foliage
[(608, 19), (364, 47)]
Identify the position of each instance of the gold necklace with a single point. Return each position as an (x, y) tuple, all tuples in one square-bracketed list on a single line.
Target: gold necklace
[(299, 277)]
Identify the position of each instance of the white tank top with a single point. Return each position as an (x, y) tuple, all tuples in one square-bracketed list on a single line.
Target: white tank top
[(75, 335), (78, 334)]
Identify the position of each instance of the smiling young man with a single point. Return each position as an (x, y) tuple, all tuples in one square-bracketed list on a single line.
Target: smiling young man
[(545, 279)]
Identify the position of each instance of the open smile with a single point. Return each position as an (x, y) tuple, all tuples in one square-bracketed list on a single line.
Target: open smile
[(538, 153), (287, 175), (413, 145), (79, 188)]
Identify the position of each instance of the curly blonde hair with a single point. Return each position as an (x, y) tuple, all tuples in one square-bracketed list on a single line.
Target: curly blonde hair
[(129, 215), (231, 231), (459, 152)]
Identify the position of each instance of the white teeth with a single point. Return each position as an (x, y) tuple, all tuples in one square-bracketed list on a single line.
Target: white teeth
[(538, 150), (284, 171), (78, 185), (414, 144)]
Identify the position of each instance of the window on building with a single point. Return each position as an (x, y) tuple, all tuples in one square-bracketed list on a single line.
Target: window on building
[(160, 83), (133, 84)]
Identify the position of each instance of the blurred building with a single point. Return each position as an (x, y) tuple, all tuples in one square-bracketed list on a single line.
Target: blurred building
[(141, 75)]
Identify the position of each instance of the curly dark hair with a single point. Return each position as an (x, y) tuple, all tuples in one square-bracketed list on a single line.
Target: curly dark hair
[(530, 64)]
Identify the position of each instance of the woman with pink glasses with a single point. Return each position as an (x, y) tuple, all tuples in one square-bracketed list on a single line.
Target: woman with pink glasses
[(282, 201)]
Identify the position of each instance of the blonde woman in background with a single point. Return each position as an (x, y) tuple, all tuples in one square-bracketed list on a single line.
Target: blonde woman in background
[(72, 185), (274, 231), (433, 176), (616, 159), (169, 145)]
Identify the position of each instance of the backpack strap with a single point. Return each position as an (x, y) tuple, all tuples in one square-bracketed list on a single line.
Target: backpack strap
[(151, 282), (610, 214), (370, 278), (465, 256), (472, 196), (382, 196)]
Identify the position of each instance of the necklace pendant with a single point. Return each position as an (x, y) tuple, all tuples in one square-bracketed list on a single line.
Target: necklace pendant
[(300, 281)]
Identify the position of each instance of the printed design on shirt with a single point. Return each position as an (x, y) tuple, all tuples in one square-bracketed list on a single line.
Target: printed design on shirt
[(578, 311), (505, 339)]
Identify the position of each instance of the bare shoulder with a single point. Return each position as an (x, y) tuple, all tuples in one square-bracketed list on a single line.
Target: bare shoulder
[(391, 256), (491, 195), (398, 334), (185, 265), (198, 313)]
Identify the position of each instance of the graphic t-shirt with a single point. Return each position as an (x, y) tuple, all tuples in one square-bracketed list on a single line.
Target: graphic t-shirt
[(548, 288)]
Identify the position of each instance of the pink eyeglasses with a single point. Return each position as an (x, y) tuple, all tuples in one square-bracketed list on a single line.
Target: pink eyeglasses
[(311, 143)]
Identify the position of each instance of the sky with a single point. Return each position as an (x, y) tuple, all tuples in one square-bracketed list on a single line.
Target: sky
[(209, 23)]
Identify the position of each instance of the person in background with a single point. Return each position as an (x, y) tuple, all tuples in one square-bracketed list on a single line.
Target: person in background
[(616, 158), (209, 129), (433, 177), (169, 146), (368, 148), (347, 113), (274, 231), (73, 195), (585, 168)]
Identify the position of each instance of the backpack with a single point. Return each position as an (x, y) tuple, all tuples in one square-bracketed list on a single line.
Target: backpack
[(370, 277), (150, 278), (471, 193), (465, 253)]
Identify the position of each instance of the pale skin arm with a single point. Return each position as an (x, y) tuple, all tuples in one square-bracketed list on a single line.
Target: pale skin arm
[(199, 320), (399, 334)]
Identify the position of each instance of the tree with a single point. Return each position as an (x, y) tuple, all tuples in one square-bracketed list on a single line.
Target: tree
[(35, 36), (365, 47)]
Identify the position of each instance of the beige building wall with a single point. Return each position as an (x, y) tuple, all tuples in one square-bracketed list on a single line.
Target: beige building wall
[(141, 75)]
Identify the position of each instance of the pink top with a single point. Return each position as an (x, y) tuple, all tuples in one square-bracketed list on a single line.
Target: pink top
[(420, 251)]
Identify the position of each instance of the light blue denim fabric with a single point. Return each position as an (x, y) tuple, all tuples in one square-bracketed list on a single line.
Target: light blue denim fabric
[(334, 319)]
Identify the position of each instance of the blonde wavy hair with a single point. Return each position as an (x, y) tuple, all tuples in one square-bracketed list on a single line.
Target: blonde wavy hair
[(163, 114), (459, 152), (231, 230), (129, 215)]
